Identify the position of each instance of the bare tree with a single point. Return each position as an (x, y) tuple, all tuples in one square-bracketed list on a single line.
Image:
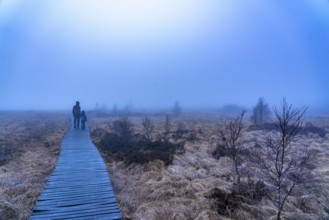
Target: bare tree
[(261, 112), (283, 162), (231, 137), (148, 128), (177, 110), (167, 125)]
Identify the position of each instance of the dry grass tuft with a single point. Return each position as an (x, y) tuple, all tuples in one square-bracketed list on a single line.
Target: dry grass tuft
[(34, 140), (177, 191)]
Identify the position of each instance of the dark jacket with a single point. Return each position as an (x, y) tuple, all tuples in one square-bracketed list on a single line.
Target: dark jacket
[(83, 117), (76, 111)]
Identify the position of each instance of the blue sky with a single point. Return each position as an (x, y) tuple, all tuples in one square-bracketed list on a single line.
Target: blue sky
[(203, 53)]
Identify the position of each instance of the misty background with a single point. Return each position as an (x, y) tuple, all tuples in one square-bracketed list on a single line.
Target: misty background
[(150, 54)]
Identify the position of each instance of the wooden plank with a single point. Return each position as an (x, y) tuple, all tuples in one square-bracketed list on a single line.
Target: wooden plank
[(104, 205), (73, 197), (79, 184), (77, 202), (89, 187), (50, 197), (81, 216), (67, 211), (84, 213), (77, 173), (79, 187), (92, 178)]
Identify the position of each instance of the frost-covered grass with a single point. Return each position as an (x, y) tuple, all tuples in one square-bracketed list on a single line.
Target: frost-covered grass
[(29, 147), (178, 191)]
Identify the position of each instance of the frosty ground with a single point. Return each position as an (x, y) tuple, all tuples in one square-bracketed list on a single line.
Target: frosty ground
[(179, 191), (30, 143)]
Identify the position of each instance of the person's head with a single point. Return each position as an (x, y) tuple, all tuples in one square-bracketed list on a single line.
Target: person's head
[(77, 103), (83, 112)]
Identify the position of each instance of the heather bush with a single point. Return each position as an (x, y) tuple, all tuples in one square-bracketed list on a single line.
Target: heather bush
[(124, 145), (124, 129), (220, 151), (225, 203)]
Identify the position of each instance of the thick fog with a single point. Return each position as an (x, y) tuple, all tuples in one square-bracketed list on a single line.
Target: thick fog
[(152, 53)]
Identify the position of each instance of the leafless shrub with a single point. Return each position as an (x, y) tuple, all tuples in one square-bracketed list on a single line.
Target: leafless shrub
[(124, 129), (122, 144), (148, 128), (232, 143), (137, 150), (260, 113), (283, 163)]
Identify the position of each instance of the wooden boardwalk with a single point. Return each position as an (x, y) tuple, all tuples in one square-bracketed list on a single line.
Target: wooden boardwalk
[(79, 187)]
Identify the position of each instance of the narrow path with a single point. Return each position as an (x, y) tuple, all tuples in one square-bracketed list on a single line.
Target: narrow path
[(79, 187)]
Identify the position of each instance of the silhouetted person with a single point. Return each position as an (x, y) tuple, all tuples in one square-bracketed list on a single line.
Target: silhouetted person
[(76, 111), (83, 119)]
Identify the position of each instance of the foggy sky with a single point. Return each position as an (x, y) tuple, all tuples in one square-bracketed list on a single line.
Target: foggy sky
[(202, 53)]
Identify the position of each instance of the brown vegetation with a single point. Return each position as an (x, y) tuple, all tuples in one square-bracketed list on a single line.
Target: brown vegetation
[(187, 188), (29, 146), (123, 144)]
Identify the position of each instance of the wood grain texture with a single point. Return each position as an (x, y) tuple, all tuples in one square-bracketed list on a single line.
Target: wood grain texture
[(79, 187)]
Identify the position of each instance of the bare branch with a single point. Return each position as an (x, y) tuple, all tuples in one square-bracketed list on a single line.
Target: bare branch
[(283, 163), (231, 138), (148, 128)]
